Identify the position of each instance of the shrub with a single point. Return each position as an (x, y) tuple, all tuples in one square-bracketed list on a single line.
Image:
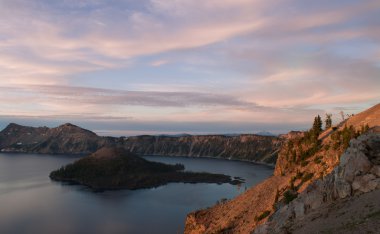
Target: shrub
[(221, 201), (262, 216), (291, 183), (289, 196), (328, 121), (299, 174), (304, 163), (318, 160), (307, 177), (341, 138)]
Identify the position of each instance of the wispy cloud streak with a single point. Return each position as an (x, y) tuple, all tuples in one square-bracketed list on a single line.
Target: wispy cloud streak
[(100, 96), (225, 60)]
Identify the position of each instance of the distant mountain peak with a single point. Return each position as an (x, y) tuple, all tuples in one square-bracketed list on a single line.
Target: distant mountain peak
[(13, 125), (69, 125), (108, 152)]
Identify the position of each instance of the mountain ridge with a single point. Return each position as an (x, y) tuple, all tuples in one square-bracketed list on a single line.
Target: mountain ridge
[(71, 139), (64, 139)]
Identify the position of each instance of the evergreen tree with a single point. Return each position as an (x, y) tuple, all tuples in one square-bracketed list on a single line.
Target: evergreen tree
[(314, 132), (317, 125), (328, 121)]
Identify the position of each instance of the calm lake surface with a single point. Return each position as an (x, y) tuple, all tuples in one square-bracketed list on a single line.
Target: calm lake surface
[(31, 203)]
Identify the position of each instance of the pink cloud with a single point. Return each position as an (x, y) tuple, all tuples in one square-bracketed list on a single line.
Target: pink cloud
[(41, 45)]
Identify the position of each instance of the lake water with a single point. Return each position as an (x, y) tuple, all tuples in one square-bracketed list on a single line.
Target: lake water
[(31, 203)]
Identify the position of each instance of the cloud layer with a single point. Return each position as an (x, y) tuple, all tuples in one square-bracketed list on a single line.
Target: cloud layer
[(166, 60)]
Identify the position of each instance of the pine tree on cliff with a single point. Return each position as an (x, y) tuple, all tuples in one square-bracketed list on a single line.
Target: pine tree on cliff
[(316, 129), (328, 121), (317, 125)]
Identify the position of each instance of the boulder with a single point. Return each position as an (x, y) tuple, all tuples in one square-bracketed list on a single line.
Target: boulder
[(342, 188), (358, 172), (365, 183), (354, 164), (375, 170), (299, 208)]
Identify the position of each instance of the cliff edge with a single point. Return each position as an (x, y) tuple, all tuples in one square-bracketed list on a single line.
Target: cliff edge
[(344, 201), (71, 139), (303, 159)]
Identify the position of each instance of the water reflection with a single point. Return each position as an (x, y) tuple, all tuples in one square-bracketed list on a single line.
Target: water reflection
[(31, 203)]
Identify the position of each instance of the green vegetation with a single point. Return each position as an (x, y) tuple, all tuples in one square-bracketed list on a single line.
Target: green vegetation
[(116, 169), (341, 138), (291, 183), (289, 196), (317, 126), (318, 160), (300, 149), (221, 201), (307, 177), (304, 163), (262, 216), (94, 168), (328, 121), (298, 175), (308, 149), (304, 177)]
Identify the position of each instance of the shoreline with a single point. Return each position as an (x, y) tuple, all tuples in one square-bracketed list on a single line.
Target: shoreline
[(152, 155), (212, 157)]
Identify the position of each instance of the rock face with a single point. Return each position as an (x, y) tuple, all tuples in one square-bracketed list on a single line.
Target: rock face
[(300, 163), (242, 147), (70, 139), (117, 168), (356, 174), (327, 156), (65, 139)]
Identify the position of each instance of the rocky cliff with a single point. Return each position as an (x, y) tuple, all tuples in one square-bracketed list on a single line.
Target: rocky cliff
[(302, 160), (242, 147), (71, 139), (342, 192), (65, 139), (299, 153)]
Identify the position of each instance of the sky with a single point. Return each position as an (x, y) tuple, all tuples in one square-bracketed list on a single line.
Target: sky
[(131, 67)]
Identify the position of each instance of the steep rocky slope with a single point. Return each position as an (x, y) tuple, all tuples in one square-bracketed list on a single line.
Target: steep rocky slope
[(65, 139), (300, 156), (302, 160), (242, 147), (239, 215), (344, 189), (71, 139)]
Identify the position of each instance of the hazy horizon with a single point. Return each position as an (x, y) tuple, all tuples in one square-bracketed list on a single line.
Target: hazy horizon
[(192, 129), (126, 67)]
